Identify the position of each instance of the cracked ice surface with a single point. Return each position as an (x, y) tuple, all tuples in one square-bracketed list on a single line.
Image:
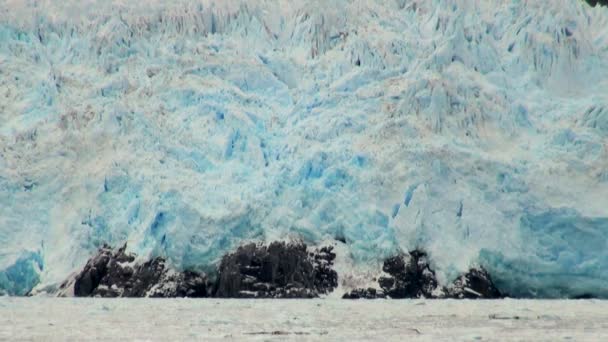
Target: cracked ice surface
[(473, 129)]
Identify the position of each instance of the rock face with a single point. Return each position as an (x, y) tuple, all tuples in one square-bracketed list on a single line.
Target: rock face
[(115, 274), (475, 284), (410, 276), (279, 270), (598, 2), (369, 293)]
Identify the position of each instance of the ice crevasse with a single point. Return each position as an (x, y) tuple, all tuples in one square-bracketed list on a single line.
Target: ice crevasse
[(475, 130)]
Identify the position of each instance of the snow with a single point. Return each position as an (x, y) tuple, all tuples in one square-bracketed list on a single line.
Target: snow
[(473, 129), (52, 319)]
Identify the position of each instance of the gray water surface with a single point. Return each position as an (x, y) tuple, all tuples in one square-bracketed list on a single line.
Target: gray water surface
[(84, 319)]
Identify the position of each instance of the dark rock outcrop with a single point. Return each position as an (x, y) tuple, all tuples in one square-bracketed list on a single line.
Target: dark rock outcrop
[(410, 276), (369, 293), (475, 284), (115, 274), (279, 270), (183, 284), (597, 2)]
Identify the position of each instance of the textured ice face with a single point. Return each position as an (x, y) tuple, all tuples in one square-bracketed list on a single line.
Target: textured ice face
[(473, 129)]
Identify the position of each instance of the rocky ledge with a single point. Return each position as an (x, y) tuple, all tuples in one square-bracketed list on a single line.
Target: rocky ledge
[(276, 270), (113, 273), (410, 276), (279, 270)]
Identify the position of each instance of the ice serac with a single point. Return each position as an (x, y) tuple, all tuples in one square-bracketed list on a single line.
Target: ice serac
[(475, 130)]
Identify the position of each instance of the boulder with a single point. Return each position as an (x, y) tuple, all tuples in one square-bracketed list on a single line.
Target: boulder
[(475, 284), (410, 276), (369, 293)]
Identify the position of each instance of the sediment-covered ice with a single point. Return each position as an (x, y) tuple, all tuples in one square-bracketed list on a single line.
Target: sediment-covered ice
[(476, 130)]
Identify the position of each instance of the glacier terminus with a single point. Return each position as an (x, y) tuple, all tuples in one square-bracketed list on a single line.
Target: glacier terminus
[(474, 130)]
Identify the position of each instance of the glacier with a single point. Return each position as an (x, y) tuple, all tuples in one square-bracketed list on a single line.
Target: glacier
[(475, 130)]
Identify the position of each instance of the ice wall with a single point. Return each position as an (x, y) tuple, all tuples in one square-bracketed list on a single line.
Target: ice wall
[(476, 130)]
